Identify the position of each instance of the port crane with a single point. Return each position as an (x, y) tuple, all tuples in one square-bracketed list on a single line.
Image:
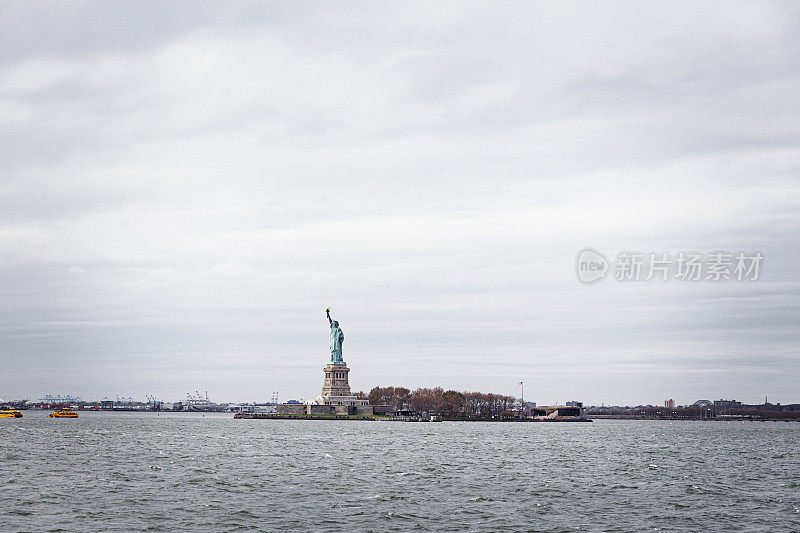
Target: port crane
[(153, 403), (198, 402), (196, 397)]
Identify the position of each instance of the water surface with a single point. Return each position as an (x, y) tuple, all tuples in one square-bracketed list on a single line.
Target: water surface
[(173, 471)]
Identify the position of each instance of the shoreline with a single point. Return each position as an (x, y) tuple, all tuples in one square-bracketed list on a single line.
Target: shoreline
[(265, 416)]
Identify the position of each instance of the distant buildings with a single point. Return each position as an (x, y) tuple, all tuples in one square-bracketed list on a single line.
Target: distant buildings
[(726, 404), (571, 411), (259, 408), (669, 404)]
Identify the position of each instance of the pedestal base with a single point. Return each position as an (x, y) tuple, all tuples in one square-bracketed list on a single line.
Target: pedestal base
[(336, 382)]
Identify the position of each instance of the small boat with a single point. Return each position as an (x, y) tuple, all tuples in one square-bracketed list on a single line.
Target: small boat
[(63, 413), (11, 413)]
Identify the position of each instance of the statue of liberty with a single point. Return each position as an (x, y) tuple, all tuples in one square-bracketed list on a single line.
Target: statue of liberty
[(337, 338)]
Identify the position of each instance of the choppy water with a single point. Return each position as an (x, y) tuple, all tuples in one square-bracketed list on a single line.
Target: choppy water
[(129, 471)]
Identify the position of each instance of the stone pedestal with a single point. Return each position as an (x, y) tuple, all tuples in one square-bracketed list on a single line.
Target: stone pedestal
[(336, 381), (336, 393)]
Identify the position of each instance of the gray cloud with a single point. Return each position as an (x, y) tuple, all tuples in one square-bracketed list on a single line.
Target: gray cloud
[(186, 186)]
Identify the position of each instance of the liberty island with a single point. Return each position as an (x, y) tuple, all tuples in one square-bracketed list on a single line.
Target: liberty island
[(337, 400)]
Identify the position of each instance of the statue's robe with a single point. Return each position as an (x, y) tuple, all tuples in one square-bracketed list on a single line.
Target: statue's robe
[(337, 338)]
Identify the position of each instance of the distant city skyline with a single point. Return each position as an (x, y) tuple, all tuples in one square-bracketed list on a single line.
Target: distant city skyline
[(187, 186)]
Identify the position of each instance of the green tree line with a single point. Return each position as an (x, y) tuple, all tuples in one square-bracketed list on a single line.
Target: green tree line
[(449, 403)]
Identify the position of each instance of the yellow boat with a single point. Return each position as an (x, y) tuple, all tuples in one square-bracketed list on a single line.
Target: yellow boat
[(11, 413), (64, 413)]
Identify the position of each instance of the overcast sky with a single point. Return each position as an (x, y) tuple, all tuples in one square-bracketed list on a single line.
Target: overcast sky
[(185, 187)]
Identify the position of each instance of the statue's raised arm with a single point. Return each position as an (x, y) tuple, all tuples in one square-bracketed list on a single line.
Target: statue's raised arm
[(328, 312)]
